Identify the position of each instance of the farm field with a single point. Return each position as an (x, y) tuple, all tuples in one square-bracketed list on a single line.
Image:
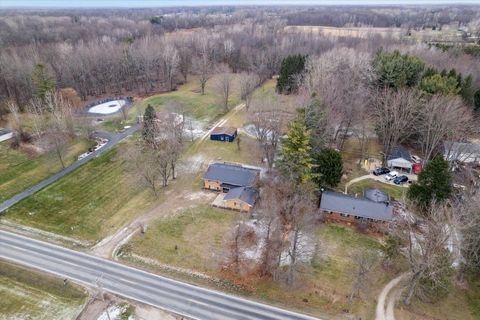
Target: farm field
[(29, 295)]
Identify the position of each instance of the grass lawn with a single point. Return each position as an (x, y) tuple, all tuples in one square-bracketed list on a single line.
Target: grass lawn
[(89, 203), (18, 171), (460, 304), (393, 191), (25, 294), (327, 280), (249, 152), (183, 240)]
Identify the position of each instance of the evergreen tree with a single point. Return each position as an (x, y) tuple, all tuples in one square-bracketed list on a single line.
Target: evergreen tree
[(467, 90), (433, 183), (396, 70), (43, 82), (149, 124), (328, 168), (437, 83), (316, 122), (296, 163), (290, 72)]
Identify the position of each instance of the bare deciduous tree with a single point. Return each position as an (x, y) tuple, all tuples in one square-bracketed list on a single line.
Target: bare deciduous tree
[(171, 61), (248, 82), (394, 114), (442, 119), (224, 86), (364, 262)]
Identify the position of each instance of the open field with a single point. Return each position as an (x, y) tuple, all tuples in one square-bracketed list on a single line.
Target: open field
[(28, 295), (183, 241), (428, 34), (20, 171), (89, 203), (185, 100)]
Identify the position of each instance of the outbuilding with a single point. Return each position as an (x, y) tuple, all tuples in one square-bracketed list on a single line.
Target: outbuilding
[(226, 134), (400, 158)]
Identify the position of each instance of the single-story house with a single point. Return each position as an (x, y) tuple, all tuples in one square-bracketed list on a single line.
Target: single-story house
[(236, 184), (340, 207), (5, 134), (226, 134), (400, 158), (226, 176), (241, 198), (464, 152)]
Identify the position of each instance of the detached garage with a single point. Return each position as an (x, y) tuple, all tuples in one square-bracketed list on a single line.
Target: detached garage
[(400, 159), (226, 134)]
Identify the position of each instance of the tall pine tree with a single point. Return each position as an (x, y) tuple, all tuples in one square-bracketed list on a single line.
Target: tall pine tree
[(290, 72), (149, 125), (296, 163), (433, 183)]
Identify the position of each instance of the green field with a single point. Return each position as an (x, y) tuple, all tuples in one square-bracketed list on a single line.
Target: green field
[(89, 203), (25, 294), (19, 171)]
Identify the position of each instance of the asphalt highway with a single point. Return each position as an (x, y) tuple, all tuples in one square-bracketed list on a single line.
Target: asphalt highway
[(109, 276)]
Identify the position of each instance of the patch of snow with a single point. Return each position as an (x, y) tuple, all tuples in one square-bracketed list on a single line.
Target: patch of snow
[(108, 107), (114, 312)]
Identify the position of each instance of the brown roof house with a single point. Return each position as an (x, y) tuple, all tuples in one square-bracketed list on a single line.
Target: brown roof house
[(236, 184)]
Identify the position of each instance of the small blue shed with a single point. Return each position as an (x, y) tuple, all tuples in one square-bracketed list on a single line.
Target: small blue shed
[(226, 134)]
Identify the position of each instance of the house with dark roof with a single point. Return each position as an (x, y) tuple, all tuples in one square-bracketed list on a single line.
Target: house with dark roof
[(226, 134), (236, 184), (373, 208), (5, 134), (400, 158)]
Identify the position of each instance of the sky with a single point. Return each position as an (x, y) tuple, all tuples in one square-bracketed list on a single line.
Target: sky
[(173, 3)]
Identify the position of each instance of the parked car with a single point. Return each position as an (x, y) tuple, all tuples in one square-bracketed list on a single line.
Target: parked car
[(391, 175), (380, 171), (416, 159), (400, 180)]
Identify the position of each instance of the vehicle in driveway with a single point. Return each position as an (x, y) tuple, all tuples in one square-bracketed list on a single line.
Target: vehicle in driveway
[(400, 180), (380, 171), (416, 159), (391, 175)]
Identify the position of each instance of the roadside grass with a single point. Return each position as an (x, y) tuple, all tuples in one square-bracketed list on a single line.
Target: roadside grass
[(19, 171), (395, 192), (193, 239), (473, 295), (25, 294), (89, 203)]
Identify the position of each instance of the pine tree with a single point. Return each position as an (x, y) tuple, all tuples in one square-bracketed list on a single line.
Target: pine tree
[(149, 124), (296, 163), (44, 83), (433, 183), (328, 168), (290, 72), (476, 98)]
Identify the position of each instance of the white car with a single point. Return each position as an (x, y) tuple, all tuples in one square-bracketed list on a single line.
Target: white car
[(391, 175), (416, 159)]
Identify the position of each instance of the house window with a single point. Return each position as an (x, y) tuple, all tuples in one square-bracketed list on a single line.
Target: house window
[(237, 204), (221, 138)]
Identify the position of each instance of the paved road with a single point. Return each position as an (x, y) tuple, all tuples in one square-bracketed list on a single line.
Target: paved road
[(177, 297), (113, 139)]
